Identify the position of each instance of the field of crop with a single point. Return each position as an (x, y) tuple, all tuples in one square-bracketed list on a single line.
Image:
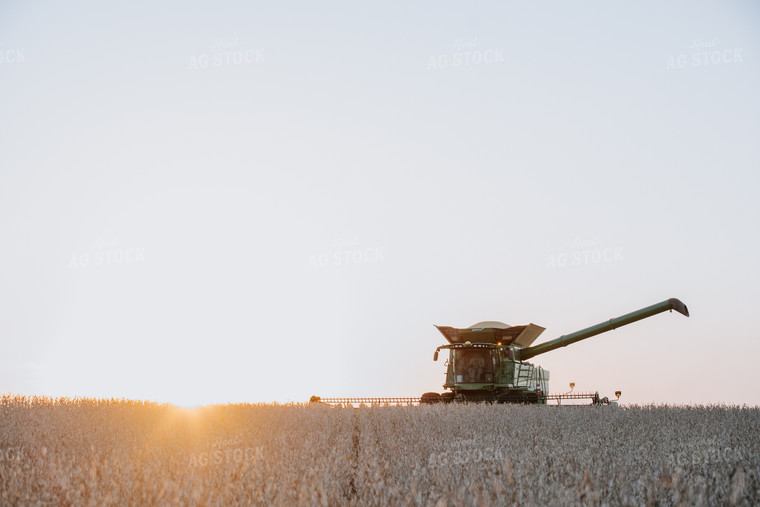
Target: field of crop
[(91, 452)]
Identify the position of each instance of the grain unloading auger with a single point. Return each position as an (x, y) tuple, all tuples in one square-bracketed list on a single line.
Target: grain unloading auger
[(488, 362)]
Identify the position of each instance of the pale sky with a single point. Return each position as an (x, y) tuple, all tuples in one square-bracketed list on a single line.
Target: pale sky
[(235, 202)]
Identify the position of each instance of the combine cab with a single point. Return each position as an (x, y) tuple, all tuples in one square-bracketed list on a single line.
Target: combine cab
[(482, 365)]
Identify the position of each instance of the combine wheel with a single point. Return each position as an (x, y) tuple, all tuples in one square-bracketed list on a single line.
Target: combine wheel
[(447, 397), (430, 398)]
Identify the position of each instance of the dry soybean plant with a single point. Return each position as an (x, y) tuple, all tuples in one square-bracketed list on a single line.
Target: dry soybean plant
[(95, 452)]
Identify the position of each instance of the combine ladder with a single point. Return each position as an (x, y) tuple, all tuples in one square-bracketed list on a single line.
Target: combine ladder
[(524, 375)]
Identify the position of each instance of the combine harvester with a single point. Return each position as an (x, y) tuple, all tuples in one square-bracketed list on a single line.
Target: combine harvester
[(487, 362)]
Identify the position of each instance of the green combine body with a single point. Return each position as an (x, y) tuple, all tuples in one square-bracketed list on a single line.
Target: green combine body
[(487, 361)]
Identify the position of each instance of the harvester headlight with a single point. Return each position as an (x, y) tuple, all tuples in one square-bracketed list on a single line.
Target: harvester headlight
[(467, 344)]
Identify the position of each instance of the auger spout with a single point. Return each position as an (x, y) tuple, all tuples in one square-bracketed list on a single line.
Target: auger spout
[(565, 340)]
